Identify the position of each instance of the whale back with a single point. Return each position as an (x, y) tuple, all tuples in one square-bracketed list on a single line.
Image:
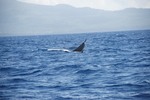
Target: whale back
[(80, 48)]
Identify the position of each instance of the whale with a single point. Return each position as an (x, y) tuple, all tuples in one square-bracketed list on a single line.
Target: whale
[(80, 48)]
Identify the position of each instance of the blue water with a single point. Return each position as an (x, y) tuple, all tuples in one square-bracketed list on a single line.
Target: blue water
[(113, 66)]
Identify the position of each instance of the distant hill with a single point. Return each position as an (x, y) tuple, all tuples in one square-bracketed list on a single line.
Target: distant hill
[(18, 18)]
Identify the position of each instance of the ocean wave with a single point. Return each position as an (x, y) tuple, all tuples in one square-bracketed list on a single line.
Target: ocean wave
[(114, 65)]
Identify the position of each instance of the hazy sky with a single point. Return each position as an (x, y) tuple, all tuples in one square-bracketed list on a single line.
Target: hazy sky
[(98, 4)]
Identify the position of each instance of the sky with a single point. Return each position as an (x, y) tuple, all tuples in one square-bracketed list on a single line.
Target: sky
[(96, 4)]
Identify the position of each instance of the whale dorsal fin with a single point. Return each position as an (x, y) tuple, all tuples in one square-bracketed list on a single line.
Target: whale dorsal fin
[(80, 48)]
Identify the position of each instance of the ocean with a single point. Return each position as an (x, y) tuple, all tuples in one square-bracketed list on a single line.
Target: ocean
[(113, 66)]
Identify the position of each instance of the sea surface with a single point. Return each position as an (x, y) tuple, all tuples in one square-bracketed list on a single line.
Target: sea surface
[(113, 66)]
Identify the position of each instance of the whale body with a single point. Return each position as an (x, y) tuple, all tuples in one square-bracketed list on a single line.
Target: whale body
[(78, 49)]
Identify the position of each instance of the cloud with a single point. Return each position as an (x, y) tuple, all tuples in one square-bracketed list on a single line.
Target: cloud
[(97, 4)]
